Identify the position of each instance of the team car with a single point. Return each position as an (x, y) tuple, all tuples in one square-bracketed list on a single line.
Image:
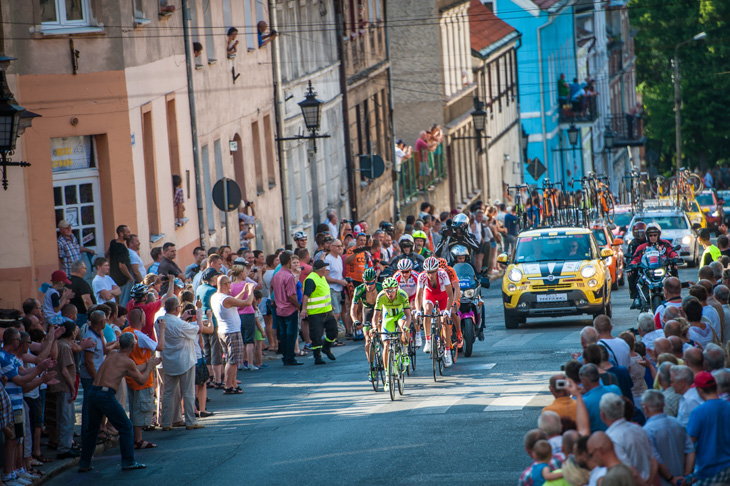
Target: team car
[(555, 272), (615, 263)]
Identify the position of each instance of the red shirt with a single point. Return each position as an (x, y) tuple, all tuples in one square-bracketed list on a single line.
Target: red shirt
[(149, 315), (283, 285), (306, 270)]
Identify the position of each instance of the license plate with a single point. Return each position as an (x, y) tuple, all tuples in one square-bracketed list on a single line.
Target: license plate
[(552, 298)]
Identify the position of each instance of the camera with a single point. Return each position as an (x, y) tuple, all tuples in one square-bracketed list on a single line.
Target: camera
[(348, 221), (560, 384)]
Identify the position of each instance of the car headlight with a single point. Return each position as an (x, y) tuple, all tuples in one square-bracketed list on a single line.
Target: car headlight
[(588, 271), (686, 240), (511, 287), (469, 293), (592, 282), (659, 272), (514, 275)]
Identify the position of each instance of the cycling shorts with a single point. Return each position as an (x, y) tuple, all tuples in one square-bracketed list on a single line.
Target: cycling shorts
[(367, 318), (390, 323), (432, 297)]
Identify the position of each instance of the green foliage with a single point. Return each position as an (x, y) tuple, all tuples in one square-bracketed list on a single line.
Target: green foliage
[(705, 77)]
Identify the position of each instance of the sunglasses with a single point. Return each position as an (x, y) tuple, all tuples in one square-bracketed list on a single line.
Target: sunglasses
[(390, 291), (371, 283), (431, 272)]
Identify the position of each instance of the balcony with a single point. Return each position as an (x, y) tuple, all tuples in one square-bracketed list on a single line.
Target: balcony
[(584, 110), (628, 130), (420, 172), (364, 48)]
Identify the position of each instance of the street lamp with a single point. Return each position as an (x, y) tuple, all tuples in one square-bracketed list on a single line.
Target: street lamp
[(609, 138), (678, 99), (573, 132), (10, 123), (479, 119)]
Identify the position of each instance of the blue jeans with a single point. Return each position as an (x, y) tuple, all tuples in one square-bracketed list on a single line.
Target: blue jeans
[(126, 293), (286, 330), (87, 383), (104, 403)]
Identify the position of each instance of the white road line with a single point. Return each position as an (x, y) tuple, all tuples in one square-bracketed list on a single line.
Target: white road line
[(516, 340), (510, 402), (435, 405), (487, 366), (572, 338)]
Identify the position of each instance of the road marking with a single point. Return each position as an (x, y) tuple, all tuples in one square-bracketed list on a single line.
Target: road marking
[(510, 402), (572, 338), (435, 405), (516, 340), (487, 366)]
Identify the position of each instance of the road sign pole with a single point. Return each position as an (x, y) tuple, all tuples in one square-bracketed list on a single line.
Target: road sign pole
[(227, 204)]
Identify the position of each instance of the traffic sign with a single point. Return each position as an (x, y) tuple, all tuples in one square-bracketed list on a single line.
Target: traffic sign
[(372, 166), (226, 194)]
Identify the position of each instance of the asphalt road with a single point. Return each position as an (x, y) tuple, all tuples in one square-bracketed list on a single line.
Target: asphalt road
[(325, 424)]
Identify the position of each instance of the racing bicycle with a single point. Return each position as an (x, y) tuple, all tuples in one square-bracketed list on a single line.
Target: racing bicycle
[(438, 348), (396, 366), (376, 366), (412, 346)]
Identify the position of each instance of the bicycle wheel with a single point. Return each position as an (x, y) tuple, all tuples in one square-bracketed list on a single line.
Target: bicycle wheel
[(391, 373), (412, 350), (402, 368), (381, 367), (373, 366), (695, 184), (441, 354), (608, 207), (434, 351)]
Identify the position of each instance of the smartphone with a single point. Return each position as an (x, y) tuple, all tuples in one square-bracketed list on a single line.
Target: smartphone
[(560, 384)]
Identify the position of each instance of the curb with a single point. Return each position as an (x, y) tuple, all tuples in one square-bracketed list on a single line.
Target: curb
[(51, 470)]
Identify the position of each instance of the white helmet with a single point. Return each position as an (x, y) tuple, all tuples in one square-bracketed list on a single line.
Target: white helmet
[(653, 228), (460, 220), (408, 239), (459, 250), (431, 264), (405, 264)]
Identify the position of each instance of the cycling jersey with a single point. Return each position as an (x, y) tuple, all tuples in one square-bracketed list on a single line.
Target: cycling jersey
[(409, 285), (454, 283), (442, 281), (425, 252), (393, 310), (361, 294)]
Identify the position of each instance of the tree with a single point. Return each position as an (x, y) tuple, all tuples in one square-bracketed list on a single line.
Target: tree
[(705, 77)]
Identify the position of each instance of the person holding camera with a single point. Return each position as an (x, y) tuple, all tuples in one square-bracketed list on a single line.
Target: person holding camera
[(563, 405)]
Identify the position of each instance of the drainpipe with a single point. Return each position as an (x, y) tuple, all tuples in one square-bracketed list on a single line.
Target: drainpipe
[(193, 124), (279, 115), (349, 163), (396, 175)]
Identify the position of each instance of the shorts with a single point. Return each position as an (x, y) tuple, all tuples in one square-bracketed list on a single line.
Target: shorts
[(18, 430), (35, 411), (336, 296), (141, 406), (248, 328), (390, 322), (264, 307), (433, 297), (367, 317), (258, 336), (233, 344), (212, 349)]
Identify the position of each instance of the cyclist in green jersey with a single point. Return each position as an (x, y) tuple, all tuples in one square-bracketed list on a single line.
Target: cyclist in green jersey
[(393, 310), (363, 307)]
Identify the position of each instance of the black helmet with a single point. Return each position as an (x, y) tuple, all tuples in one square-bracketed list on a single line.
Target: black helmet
[(639, 229)]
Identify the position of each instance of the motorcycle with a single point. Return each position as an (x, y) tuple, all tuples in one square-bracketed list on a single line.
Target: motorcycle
[(471, 309), (653, 271)]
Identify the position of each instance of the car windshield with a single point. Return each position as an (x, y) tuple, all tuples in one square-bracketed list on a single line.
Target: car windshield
[(705, 199), (550, 248), (666, 222), (600, 237), (623, 219)]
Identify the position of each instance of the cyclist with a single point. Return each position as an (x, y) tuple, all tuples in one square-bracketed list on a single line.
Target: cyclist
[(300, 239), (419, 244), (638, 231), (407, 280), (392, 311), (434, 286), (653, 240), (406, 247), (454, 279), (363, 307)]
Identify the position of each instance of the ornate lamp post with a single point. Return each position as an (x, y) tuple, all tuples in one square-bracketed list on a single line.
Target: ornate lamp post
[(11, 115)]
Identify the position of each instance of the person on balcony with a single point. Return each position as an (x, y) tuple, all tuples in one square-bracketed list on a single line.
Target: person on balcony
[(563, 90)]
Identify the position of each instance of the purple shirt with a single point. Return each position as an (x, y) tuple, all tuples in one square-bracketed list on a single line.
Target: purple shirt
[(283, 285), (236, 289)]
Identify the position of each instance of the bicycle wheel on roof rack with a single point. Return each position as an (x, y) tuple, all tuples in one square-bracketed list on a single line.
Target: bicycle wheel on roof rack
[(695, 184), (659, 186), (609, 211)]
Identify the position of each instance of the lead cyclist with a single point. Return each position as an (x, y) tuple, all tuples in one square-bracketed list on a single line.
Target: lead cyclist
[(392, 312)]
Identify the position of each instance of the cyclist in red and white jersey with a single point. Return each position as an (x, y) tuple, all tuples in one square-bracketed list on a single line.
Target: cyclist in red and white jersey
[(434, 285), (407, 280)]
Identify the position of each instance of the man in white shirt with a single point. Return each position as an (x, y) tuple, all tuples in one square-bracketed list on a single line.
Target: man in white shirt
[(630, 441), (401, 153), (336, 279), (105, 289), (672, 298), (682, 381), (133, 245), (648, 331), (178, 362), (618, 351), (722, 295)]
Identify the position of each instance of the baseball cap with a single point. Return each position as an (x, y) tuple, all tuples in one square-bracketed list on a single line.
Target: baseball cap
[(328, 238), (209, 273), (60, 276), (357, 229), (64, 224), (319, 264), (400, 142), (704, 379), (240, 261)]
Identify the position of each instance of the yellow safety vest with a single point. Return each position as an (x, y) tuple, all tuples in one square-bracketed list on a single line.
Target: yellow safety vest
[(714, 252), (320, 301)]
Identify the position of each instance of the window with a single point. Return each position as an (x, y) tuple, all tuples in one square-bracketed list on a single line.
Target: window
[(172, 140), (209, 44), (60, 14), (150, 172), (269, 146), (249, 25), (257, 162), (139, 17)]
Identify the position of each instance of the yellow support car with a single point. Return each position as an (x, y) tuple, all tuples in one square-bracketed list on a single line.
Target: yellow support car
[(555, 272), (695, 214)]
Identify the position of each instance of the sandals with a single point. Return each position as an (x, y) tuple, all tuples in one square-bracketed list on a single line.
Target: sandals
[(219, 386), (232, 391), (143, 444), (302, 353), (131, 467), (149, 428), (42, 458), (102, 437)]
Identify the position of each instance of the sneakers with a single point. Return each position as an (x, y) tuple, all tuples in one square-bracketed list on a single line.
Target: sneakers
[(419, 341), (447, 358), (427, 346), (636, 304), (481, 334), (371, 376), (253, 367)]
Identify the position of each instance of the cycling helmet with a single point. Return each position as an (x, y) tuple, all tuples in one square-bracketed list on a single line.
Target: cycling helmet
[(443, 263), (420, 234), (387, 227), (405, 264), (369, 275), (460, 220), (431, 264), (299, 235), (406, 240), (653, 228), (390, 283), (138, 292), (639, 229), (459, 250)]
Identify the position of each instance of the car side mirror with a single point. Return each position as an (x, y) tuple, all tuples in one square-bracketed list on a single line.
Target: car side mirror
[(606, 252), (618, 241), (502, 258)]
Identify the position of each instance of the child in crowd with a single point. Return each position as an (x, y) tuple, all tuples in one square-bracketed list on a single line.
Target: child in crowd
[(179, 201), (258, 296), (542, 453)]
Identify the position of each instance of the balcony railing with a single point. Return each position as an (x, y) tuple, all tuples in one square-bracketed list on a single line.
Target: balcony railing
[(581, 110), (421, 171), (628, 129)]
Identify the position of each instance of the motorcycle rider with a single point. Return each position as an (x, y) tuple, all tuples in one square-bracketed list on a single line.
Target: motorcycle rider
[(456, 234), (653, 240), (406, 247), (639, 239)]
